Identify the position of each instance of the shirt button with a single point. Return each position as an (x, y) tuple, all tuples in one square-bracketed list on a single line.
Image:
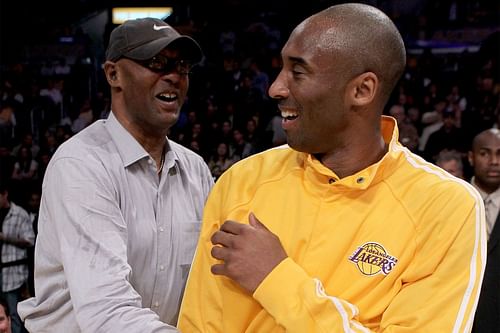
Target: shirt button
[(331, 181), (161, 229), (150, 161), (360, 180), (162, 267), (156, 304)]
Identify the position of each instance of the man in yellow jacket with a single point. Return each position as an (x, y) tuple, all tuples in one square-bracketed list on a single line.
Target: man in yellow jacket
[(344, 229)]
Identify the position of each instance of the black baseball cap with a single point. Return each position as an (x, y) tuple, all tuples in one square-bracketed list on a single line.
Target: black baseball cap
[(142, 39)]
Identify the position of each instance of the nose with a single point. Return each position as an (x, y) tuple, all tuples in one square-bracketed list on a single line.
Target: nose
[(279, 89), (495, 158), (174, 77)]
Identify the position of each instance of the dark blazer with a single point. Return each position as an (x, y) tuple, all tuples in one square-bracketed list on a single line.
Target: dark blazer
[(487, 318)]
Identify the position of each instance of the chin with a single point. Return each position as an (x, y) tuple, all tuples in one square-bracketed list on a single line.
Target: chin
[(168, 120), (298, 146)]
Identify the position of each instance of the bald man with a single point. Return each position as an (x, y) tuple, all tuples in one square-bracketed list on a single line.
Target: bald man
[(485, 160), (343, 229)]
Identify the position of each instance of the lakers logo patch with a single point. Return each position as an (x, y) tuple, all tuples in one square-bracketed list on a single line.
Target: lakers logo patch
[(371, 259)]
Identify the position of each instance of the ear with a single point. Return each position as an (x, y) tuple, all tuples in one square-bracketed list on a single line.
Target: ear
[(470, 157), (362, 89), (110, 70)]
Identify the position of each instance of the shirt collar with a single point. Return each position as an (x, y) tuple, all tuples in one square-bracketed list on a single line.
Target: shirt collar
[(130, 149), (495, 196), (370, 175)]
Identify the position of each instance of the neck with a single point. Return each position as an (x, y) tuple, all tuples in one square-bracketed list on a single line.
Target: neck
[(486, 188), (153, 142), (353, 158)]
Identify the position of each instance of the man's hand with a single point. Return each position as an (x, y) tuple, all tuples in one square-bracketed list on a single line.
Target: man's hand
[(249, 252)]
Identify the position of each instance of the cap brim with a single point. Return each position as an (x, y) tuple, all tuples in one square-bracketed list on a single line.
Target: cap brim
[(187, 46)]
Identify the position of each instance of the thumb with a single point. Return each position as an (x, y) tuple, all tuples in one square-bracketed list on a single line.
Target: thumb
[(254, 222)]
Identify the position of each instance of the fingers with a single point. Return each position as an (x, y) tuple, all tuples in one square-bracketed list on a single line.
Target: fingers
[(222, 238), (227, 233), (254, 222), (218, 269), (219, 252), (232, 227)]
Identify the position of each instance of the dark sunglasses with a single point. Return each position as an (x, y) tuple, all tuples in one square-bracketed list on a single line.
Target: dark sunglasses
[(164, 65)]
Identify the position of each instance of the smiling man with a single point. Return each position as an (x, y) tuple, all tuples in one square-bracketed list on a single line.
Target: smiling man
[(121, 203), (344, 229)]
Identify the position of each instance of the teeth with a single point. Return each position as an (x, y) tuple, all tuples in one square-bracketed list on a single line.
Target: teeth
[(170, 95), (286, 114)]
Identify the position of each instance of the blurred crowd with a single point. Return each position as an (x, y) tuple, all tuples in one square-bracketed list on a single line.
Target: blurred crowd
[(441, 102)]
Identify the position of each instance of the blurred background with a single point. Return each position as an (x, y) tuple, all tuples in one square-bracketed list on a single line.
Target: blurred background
[(75, 32), (52, 84)]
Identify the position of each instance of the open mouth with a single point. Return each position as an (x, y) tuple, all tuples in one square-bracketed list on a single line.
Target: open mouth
[(167, 97), (288, 116)]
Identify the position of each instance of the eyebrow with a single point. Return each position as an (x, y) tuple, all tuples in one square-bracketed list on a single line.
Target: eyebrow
[(297, 60), (488, 149)]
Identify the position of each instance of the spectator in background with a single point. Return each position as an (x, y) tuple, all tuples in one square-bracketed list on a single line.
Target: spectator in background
[(27, 141), (49, 144), (408, 134), (260, 79), (7, 125), (239, 148), (451, 161), (6, 139), (24, 174), (220, 160), (33, 208), (343, 229), (485, 160), (25, 166), (15, 237), (448, 136), (54, 91), (254, 135), (121, 202), (431, 121), (85, 117), (5, 319), (226, 131), (415, 118)]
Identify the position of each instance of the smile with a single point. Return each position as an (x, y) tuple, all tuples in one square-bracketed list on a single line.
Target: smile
[(287, 115)]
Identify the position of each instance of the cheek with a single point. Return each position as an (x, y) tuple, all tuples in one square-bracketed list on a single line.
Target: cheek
[(325, 108), (184, 86), (136, 82)]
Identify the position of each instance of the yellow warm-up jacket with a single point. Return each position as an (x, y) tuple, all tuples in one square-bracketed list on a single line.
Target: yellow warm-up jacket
[(397, 247)]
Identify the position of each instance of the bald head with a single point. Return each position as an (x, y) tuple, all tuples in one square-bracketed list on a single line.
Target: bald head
[(488, 136), (362, 36)]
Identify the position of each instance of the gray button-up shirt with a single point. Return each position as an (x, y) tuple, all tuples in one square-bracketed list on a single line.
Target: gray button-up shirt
[(115, 241)]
